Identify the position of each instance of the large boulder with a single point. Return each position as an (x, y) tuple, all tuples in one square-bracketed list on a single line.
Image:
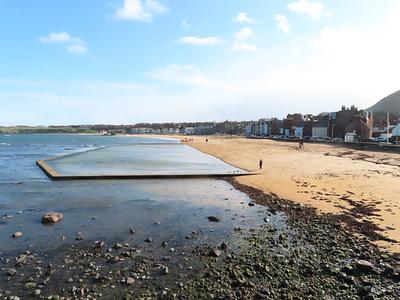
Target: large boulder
[(52, 217)]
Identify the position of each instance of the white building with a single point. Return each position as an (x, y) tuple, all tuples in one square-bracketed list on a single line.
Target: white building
[(396, 131), (350, 137), (320, 132), (263, 127)]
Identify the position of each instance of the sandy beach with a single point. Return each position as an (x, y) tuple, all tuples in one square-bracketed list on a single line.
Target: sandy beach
[(333, 179)]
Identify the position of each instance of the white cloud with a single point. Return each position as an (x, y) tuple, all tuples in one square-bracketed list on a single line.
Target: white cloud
[(282, 23), (74, 44), (243, 17), (241, 40), (140, 10), (244, 34), (56, 37), (184, 74), (79, 49), (198, 41), (313, 9)]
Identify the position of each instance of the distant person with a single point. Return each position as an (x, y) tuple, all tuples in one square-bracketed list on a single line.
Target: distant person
[(206, 140), (301, 144), (260, 163)]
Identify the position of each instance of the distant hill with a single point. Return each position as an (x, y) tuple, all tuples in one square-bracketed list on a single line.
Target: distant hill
[(390, 103)]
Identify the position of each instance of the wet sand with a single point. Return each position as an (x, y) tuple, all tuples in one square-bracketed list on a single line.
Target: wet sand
[(360, 184)]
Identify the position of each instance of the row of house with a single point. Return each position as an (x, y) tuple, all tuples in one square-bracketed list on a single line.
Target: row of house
[(196, 128), (349, 124)]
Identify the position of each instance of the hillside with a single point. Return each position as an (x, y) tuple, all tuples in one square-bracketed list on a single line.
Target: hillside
[(390, 103)]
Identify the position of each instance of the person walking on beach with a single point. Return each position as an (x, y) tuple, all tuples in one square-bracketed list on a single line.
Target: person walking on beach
[(301, 144), (260, 163)]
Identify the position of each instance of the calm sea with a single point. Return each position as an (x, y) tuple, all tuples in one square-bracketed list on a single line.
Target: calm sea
[(163, 209)]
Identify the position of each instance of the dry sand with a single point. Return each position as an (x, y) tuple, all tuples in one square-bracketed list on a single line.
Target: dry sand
[(331, 178)]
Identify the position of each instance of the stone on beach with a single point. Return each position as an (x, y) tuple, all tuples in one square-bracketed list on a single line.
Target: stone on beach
[(11, 272), (213, 219), (52, 217), (17, 234)]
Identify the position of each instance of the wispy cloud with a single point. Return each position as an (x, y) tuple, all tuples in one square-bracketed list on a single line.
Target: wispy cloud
[(313, 9), (140, 10), (243, 17), (184, 74), (241, 40), (201, 41), (77, 49), (282, 23), (74, 45)]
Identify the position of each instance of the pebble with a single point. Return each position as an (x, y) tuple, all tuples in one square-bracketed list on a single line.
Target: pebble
[(17, 234), (52, 217), (213, 219), (11, 272)]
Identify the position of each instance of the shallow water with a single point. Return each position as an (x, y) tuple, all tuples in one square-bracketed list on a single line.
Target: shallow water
[(141, 159), (166, 210)]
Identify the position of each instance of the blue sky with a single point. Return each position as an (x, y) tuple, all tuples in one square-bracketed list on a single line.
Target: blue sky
[(128, 61)]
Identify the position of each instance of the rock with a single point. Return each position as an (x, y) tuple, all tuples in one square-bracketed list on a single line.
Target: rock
[(79, 236), (389, 270), (214, 252), (117, 246), (164, 244), (17, 234), (30, 285), (52, 217), (131, 231), (148, 240), (364, 266), (213, 219), (251, 204), (99, 244), (224, 246), (37, 292), (130, 280), (11, 272), (165, 270)]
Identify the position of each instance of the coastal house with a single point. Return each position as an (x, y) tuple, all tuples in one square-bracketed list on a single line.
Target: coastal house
[(189, 130), (396, 133), (342, 119), (262, 127), (351, 137), (293, 125), (320, 126), (361, 125), (250, 129)]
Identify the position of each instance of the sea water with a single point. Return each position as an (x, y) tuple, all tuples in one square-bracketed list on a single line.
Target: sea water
[(166, 210)]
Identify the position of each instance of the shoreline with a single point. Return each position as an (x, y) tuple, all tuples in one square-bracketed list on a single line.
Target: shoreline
[(336, 185), (275, 249), (310, 255)]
